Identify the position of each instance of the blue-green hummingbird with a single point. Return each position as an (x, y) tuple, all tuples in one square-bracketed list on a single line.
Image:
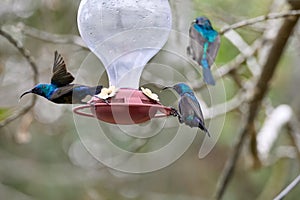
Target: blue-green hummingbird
[(189, 107), (60, 90), (203, 46)]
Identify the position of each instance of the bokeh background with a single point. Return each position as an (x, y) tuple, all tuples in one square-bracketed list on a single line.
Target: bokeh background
[(41, 154)]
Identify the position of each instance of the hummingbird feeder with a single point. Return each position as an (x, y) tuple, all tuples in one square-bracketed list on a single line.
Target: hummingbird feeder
[(124, 35)]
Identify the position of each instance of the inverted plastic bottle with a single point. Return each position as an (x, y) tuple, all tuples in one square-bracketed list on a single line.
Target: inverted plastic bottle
[(124, 35)]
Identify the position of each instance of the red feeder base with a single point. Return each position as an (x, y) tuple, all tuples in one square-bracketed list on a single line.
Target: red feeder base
[(128, 106)]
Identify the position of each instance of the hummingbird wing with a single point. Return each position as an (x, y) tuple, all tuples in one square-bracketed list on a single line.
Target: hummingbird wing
[(73, 93), (191, 106), (213, 49), (61, 91), (195, 48), (60, 75)]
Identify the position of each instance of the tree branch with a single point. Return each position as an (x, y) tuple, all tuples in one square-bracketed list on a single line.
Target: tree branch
[(226, 107), (50, 37), (270, 130), (259, 19), (25, 53), (258, 93), (237, 40), (293, 184)]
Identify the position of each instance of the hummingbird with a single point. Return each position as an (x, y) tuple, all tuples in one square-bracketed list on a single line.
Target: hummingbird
[(203, 46), (189, 108), (60, 90)]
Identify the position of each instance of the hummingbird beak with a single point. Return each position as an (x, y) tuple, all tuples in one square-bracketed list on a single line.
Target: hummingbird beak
[(165, 88), (27, 92)]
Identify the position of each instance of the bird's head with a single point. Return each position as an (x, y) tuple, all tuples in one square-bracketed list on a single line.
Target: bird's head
[(203, 21), (181, 88), (40, 89)]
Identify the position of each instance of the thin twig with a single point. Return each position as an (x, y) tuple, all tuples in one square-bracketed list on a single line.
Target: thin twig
[(25, 53), (260, 19), (270, 131), (293, 184), (236, 78), (236, 39), (231, 163), (226, 107), (50, 37)]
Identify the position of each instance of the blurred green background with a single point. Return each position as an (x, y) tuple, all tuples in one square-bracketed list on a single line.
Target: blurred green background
[(46, 159)]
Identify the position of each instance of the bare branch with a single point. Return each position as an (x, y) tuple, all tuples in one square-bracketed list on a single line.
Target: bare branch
[(245, 49), (260, 19), (25, 53), (227, 106), (258, 93), (271, 129), (293, 184), (50, 37)]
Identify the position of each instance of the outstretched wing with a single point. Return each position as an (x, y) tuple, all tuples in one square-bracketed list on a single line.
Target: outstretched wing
[(60, 75), (191, 106), (213, 49), (195, 49), (73, 93)]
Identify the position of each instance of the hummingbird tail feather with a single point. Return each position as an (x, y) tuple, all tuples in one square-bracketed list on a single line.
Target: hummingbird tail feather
[(202, 127), (207, 132), (207, 75)]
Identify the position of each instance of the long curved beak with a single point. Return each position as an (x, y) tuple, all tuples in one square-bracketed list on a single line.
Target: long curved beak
[(27, 92), (165, 88)]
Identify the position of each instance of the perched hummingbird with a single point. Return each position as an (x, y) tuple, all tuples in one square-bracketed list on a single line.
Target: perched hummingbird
[(203, 46), (189, 108), (60, 90)]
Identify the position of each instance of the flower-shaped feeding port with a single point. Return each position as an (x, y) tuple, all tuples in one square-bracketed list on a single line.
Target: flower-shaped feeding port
[(124, 35), (107, 93), (150, 94)]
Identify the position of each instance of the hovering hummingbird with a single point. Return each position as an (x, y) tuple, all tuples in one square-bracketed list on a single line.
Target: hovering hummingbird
[(189, 108), (203, 46), (60, 90)]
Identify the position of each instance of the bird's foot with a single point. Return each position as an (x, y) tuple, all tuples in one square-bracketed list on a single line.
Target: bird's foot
[(92, 104), (206, 131), (105, 100), (181, 121)]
